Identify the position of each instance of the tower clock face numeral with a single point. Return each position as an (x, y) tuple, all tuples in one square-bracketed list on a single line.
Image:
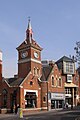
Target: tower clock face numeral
[(24, 54), (36, 55)]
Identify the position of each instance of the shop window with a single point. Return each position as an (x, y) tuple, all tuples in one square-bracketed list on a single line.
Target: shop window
[(30, 100)]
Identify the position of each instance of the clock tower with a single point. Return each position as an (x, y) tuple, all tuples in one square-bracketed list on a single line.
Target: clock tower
[(29, 55)]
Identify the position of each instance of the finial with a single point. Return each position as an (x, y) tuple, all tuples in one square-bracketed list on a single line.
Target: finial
[(29, 18), (29, 30)]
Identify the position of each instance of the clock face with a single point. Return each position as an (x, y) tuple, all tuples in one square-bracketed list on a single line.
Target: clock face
[(36, 55), (24, 54)]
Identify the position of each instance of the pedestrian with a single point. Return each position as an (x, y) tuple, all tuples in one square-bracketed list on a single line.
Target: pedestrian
[(67, 105), (15, 109)]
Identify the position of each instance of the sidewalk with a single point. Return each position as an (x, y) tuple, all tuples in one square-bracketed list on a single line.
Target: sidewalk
[(27, 114)]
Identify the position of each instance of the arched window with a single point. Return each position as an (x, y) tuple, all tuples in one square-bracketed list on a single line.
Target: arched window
[(5, 98), (38, 71), (34, 72), (60, 82), (31, 83), (44, 99), (52, 79)]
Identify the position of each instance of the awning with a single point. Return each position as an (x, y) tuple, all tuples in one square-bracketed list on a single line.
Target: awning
[(70, 85)]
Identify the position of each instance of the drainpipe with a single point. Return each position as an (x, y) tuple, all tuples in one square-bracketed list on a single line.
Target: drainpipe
[(47, 96)]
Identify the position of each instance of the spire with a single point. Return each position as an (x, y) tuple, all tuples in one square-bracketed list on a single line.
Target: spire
[(29, 31)]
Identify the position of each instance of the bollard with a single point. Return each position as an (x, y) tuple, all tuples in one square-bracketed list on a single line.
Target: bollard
[(20, 112)]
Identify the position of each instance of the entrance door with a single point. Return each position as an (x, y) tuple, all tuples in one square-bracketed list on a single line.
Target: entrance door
[(52, 104)]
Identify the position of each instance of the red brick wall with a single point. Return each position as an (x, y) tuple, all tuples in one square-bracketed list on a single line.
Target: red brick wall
[(26, 86)]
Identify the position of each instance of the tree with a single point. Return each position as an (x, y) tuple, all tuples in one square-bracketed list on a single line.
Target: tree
[(77, 50)]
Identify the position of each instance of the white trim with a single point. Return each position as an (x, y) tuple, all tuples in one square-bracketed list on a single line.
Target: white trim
[(29, 59), (25, 78), (31, 109), (27, 90), (21, 86), (43, 108), (7, 83), (0, 55)]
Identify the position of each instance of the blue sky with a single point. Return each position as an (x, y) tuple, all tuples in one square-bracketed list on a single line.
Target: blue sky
[(55, 23)]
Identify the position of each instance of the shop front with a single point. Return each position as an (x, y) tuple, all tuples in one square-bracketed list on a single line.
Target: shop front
[(57, 100)]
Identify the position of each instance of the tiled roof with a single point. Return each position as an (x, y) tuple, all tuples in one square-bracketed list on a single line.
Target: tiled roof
[(66, 59), (27, 44), (14, 81), (46, 72), (78, 69)]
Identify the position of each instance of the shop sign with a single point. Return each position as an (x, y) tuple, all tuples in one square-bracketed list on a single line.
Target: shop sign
[(58, 96)]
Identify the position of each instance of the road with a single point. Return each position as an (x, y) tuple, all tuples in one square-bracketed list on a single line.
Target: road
[(51, 115), (59, 115)]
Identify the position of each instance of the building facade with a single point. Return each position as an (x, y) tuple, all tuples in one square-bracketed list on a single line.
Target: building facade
[(39, 85), (67, 66)]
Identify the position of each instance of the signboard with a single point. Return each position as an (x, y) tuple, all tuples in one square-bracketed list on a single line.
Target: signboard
[(58, 96)]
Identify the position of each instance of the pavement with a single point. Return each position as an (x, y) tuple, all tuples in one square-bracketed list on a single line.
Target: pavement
[(27, 114)]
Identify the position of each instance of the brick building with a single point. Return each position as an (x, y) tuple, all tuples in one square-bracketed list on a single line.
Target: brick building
[(69, 75), (38, 85)]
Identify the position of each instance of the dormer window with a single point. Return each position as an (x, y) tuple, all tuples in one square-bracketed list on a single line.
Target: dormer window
[(68, 67)]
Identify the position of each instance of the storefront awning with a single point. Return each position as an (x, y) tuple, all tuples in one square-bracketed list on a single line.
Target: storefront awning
[(70, 85)]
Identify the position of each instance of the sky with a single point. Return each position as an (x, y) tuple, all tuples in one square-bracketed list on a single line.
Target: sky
[(55, 24)]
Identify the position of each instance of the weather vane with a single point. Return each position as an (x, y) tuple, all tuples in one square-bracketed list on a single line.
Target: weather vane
[(29, 18)]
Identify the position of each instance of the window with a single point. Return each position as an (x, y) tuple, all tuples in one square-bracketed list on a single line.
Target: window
[(38, 71), (52, 81), (69, 67), (67, 91), (56, 82), (60, 82), (44, 99), (34, 71), (69, 78), (30, 100), (31, 83), (4, 98)]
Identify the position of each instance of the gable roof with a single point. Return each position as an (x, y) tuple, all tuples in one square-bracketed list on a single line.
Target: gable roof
[(25, 44), (13, 82), (66, 59), (46, 70)]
